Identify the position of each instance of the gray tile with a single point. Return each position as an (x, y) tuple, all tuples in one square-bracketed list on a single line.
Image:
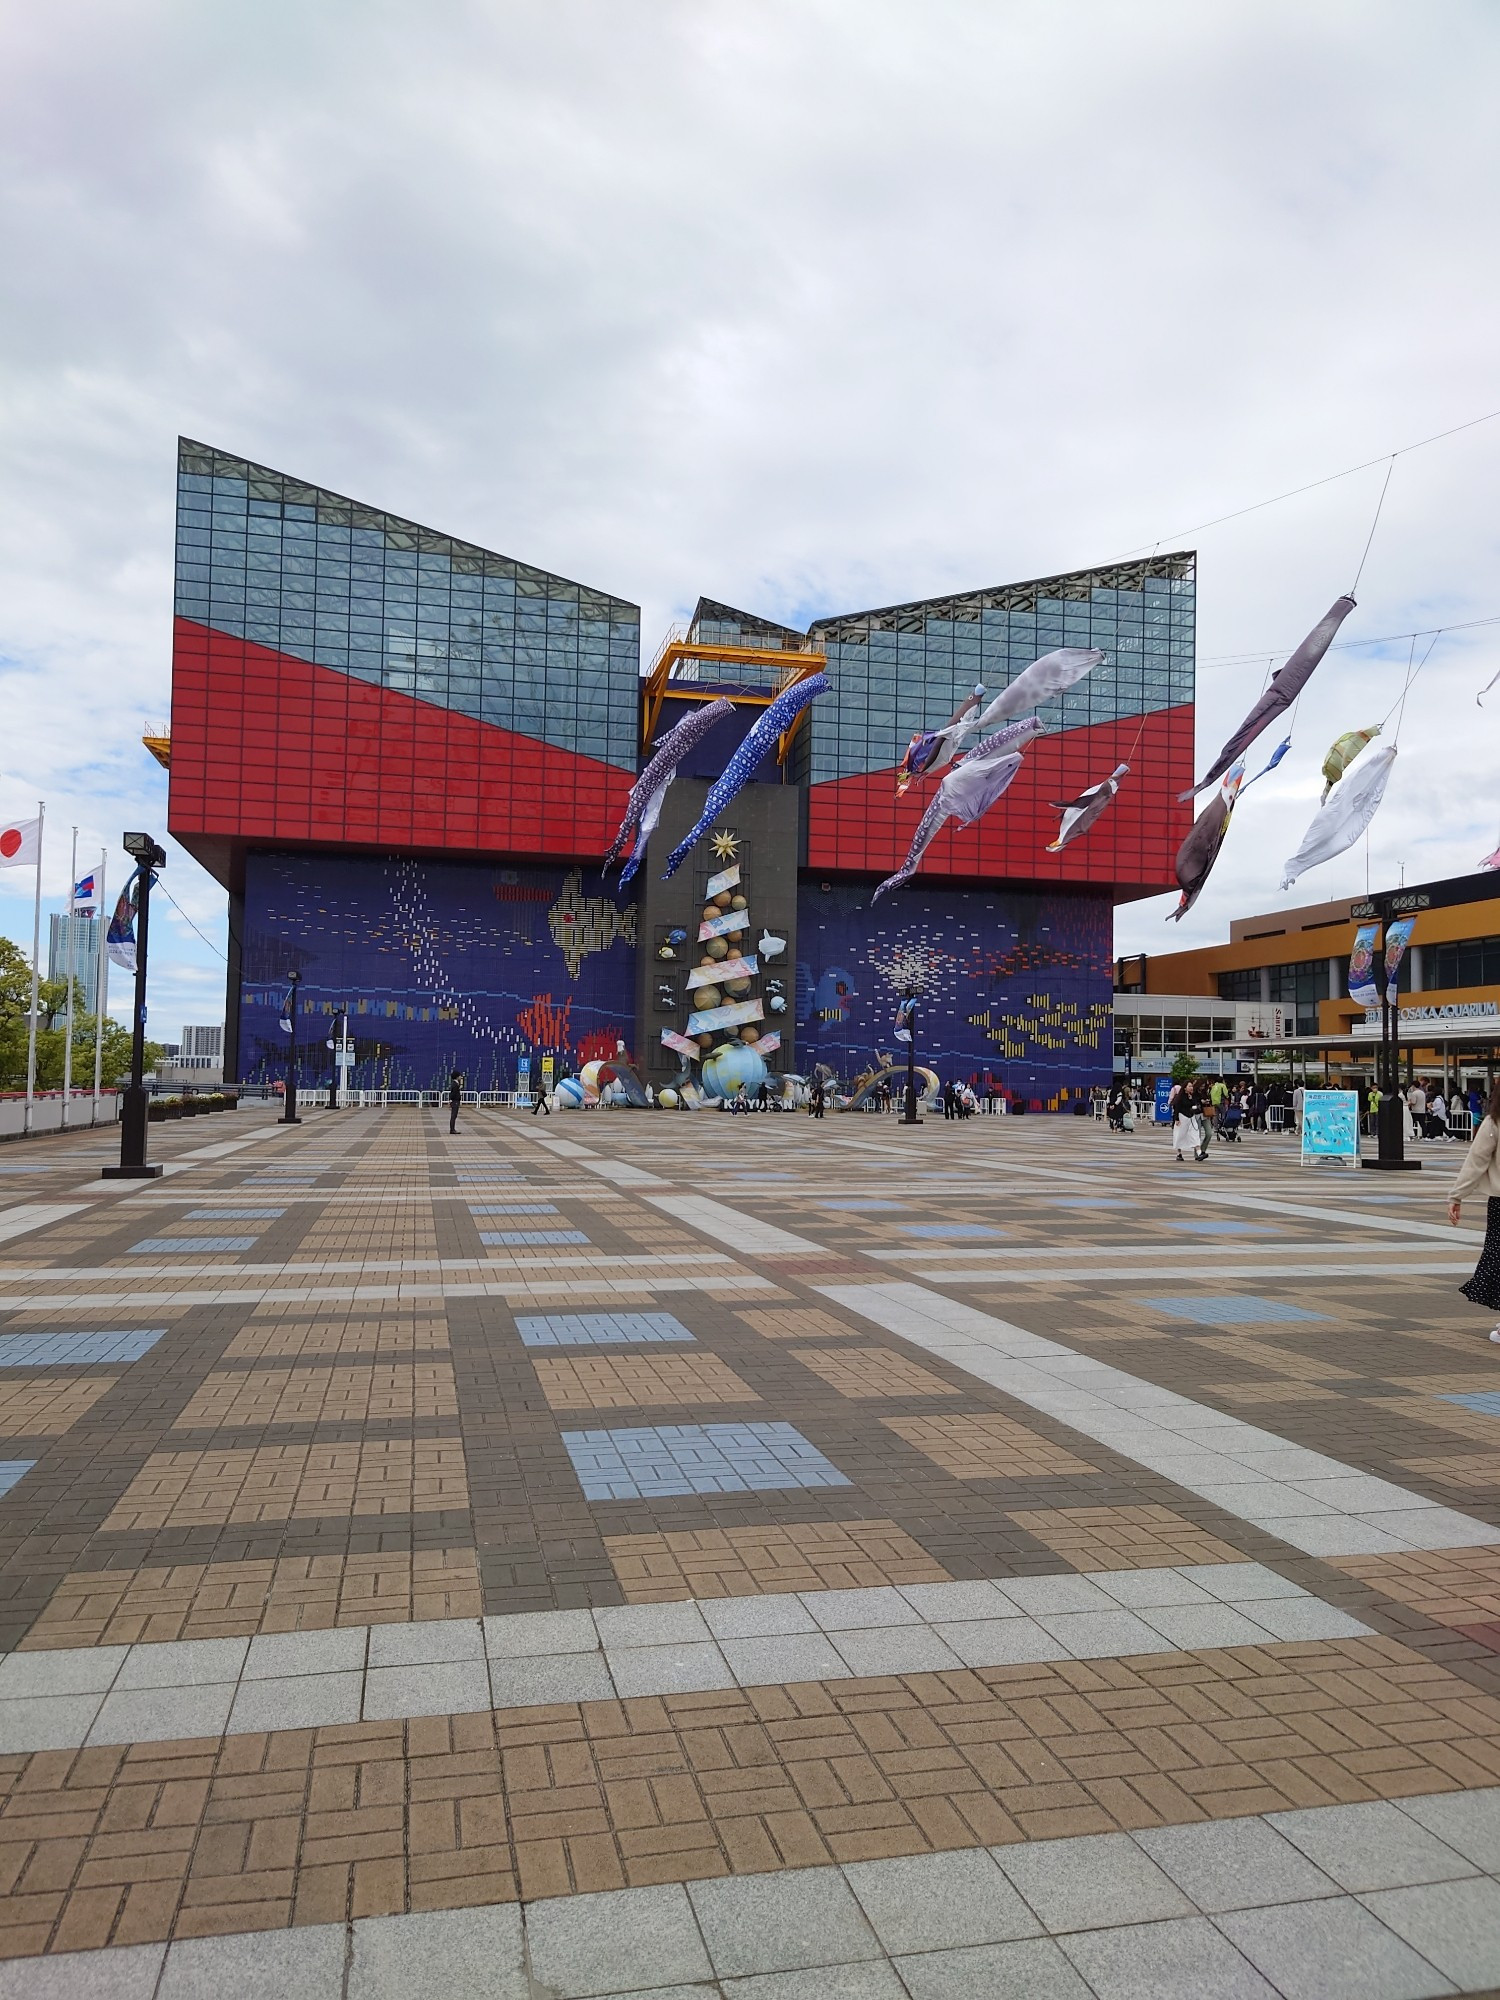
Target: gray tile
[(302, 1701), (183, 1663), (1091, 1880), (1038, 1594), (1233, 1864), (917, 1649), (683, 1669), (766, 1617), (650, 1624), (454, 1687), (275, 1655), (873, 1980), (1139, 1589), (471, 1954), (848, 1610), (47, 1722), (154, 1715), (1197, 1627), (611, 1942), (1371, 1846), (1305, 1618), (781, 1923), (73, 1670), (126, 1973), (1331, 1951), (538, 1682), (798, 1656), (1101, 1635), (428, 1642), (257, 1965), (935, 1902), (663, 1993), (1237, 1583), (946, 1602), (1182, 1959), (528, 1632), (1001, 1642), (1454, 1925), (1469, 1822), (1034, 1970)]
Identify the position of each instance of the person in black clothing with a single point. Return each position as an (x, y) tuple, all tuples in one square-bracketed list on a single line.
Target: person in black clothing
[(455, 1098), (950, 1108), (539, 1102), (817, 1097)]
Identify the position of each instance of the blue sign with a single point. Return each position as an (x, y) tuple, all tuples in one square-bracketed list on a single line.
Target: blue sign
[(1330, 1124), (1162, 1114)]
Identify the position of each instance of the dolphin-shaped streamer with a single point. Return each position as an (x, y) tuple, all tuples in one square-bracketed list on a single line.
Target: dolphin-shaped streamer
[(967, 793), (737, 773), (1339, 824), (643, 807), (1286, 684), (1079, 814)]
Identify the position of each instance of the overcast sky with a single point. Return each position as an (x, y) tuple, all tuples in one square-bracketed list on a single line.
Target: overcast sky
[(808, 306)]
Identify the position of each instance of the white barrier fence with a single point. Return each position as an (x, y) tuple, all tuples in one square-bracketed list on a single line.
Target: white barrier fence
[(47, 1113)]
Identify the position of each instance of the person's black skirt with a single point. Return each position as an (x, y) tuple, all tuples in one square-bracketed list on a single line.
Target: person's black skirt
[(1483, 1289)]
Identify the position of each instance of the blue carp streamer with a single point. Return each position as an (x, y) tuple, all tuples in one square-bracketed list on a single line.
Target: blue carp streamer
[(737, 773)]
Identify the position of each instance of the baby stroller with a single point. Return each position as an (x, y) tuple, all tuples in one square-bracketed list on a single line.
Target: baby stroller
[(1231, 1117)]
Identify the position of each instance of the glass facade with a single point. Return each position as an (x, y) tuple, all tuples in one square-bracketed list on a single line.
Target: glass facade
[(1471, 962), (1241, 985), (308, 573)]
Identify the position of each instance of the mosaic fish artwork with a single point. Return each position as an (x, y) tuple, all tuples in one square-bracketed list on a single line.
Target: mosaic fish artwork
[(1205, 837), (967, 793), (1342, 753), (643, 807), (580, 924), (1079, 814), (1286, 684), (1337, 825), (772, 722)]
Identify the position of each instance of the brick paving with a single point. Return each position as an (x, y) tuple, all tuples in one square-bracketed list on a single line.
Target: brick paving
[(339, 1423)]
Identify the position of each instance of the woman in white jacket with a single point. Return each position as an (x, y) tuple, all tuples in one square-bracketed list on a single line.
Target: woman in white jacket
[(1480, 1174)]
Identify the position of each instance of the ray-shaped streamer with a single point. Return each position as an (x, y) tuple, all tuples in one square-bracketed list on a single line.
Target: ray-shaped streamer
[(1286, 684), (737, 773)]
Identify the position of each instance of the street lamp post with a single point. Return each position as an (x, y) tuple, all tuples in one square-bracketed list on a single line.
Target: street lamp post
[(289, 1113), (909, 1114), (1390, 1155), (147, 856)]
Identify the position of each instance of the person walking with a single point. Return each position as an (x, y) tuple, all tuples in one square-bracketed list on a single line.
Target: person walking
[(816, 1106), (455, 1098), (1116, 1106), (539, 1102), (1184, 1123), (1480, 1174)]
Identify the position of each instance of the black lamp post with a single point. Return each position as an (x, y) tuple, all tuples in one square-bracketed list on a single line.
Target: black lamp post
[(909, 1114), (1390, 1156), (147, 856), (289, 1114)]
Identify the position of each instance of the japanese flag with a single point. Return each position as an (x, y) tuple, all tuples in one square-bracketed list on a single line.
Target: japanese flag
[(20, 843)]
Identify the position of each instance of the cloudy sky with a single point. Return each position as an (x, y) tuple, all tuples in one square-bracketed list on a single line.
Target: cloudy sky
[(808, 305)]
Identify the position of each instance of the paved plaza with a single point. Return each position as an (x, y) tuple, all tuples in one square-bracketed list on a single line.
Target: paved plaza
[(692, 1555)]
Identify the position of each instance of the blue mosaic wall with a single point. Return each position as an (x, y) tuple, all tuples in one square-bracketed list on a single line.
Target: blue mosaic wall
[(442, 966), (1018, 985)]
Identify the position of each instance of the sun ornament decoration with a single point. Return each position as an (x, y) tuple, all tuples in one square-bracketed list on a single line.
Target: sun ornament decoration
[(725, 845)]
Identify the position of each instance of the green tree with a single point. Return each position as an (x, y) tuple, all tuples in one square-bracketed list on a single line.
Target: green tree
[(52, 1031), (1184, 1067)]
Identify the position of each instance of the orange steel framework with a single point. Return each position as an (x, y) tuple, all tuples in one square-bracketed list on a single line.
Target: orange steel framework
[(674, 672)]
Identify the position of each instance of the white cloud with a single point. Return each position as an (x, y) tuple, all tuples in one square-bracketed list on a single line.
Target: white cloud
[(808, 306)]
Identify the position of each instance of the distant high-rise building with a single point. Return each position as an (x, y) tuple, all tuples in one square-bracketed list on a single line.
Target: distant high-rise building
[(203, 1045), (85, 953)]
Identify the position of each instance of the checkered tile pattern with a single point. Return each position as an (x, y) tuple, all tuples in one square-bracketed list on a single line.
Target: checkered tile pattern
[(600, 1329), (657, 1461)]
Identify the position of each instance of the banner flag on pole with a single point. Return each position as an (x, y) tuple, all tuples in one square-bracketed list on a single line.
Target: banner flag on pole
[(21, 843), (903, 1020), (1397, 938), (285, 1023), (86, 894), (1362, 967), (119, 940)]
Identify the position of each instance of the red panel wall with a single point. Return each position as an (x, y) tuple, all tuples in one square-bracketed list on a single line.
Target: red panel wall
[(859, 823), (271, 749)]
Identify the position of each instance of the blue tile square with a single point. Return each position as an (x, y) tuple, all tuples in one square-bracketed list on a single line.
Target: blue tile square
[(75, 1350), (859, 1204), (1222, 1228), (600, 1329), (234, 1214), (531, 1236), (516, 1208), (949, 1229), (189, 1246), (660, 1461), (1089, 1201), (1486, 1402), (1232, 1310), (12, 1469)]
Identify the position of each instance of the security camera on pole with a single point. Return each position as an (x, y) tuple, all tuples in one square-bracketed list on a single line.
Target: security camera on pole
[(128, 948)]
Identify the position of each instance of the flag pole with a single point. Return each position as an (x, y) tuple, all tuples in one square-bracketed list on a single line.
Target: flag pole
[(101, 983), (72, 963), (36, 954)]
